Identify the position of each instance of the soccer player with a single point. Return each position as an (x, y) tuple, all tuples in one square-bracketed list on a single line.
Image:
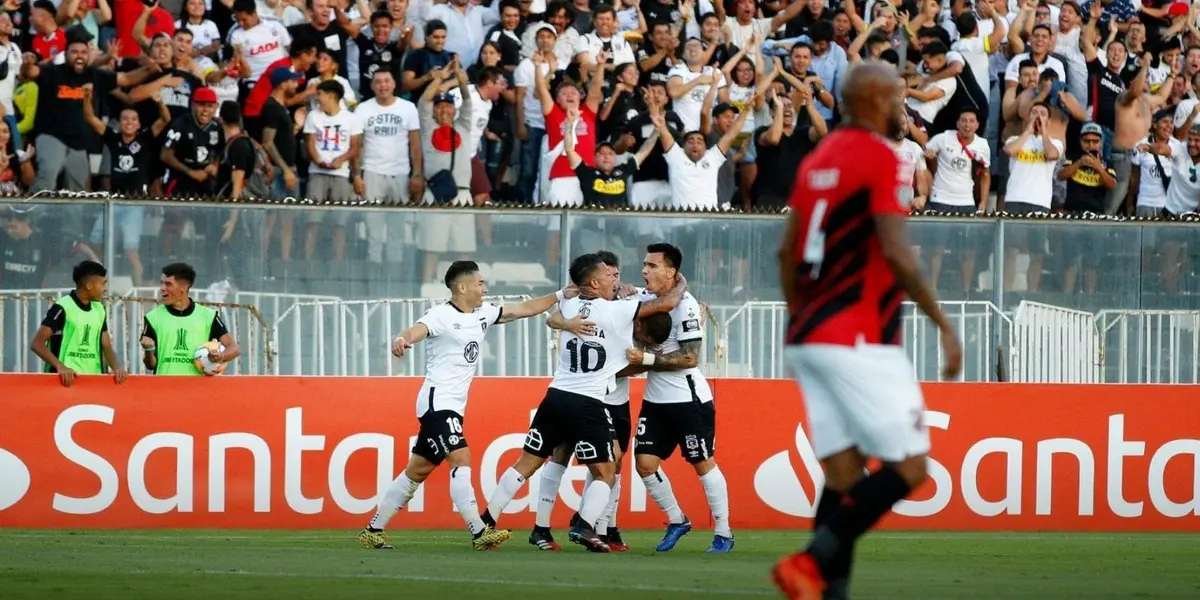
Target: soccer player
[(651, 330), (572, 411), (75, 330), (456, 331), (678, 410), (845, 265), (181, 326)]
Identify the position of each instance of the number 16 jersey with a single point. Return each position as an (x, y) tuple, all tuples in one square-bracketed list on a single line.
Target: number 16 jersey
[(588, 365)]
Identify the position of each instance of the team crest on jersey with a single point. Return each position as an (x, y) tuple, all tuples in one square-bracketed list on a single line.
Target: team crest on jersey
[(134, 147), (471, 352), (691, 442), (212, 138), (457, 326), (585, 310), (386, 56)]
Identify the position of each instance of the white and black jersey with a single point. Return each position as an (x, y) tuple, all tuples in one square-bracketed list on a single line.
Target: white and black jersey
[(687, 385), (588, 366), (452, 354)]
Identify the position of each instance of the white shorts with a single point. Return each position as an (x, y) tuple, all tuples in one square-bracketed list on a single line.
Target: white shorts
[(650, 194), (863, 397), (564, 192)]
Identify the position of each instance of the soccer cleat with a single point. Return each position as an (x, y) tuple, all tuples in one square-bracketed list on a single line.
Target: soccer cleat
[(490, 538), (544, 540), (799, 577), (374, 540), (584, 535), (614, 541), (675, 531), (574, 520), (721, 545)]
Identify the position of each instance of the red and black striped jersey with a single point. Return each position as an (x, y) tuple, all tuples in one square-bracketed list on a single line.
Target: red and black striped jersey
[(845, 293)]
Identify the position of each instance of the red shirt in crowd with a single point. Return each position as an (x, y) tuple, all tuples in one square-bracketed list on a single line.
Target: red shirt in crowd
[(845, 292), (585, 136), (125, 15), (51, 45), (262, 88)]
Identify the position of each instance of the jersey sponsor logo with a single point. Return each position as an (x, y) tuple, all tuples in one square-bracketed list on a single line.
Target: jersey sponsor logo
[(1087, 178), (67, 92), (609, 188), (471, 352), (825, 179), (260, 49), (691, 325), (86, 342), (1031, 156)]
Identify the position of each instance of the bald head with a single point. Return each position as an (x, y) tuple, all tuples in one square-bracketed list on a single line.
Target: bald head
[(871, 96)]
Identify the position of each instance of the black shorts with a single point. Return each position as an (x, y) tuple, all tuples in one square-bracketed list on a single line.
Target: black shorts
[(689, 425), (441, 433), (619, 424), (568, 418)]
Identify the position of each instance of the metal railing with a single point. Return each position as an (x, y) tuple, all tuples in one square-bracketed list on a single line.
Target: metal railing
[(1150, 346), (1052, 344), (22, 311)]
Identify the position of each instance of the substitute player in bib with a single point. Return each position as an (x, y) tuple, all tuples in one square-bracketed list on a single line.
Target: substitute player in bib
[(572, 412), (174, 329), (73, 339), (456, 331), (678, 409), (845, 265), (650, 330)]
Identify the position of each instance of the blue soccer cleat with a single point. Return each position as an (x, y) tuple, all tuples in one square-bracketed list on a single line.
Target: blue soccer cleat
[(721, 545), (675, 531)]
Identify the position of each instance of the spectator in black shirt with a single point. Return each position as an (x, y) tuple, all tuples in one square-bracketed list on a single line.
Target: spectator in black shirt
[(420, 63), (377, 52), (661, 12), (1088, 181), (507, 35), (25, 251), (656, 58), (783, 145), (621, 105), (604, 184), (711, 35), (279, 142), (326, 34), (1104, 84), (651, 188), (192, 148), (132, 149)]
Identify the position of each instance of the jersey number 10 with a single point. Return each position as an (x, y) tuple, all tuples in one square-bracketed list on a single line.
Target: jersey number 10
[(589, 358)]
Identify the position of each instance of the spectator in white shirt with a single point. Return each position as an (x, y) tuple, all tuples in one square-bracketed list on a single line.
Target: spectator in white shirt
[(1155, 157), (930, 99), (961, 183), (466, 25), (1034, 157), (531, 124), (262, 41), (743, 25), (604, 38), (393, 166), (689, 83), (334, 142), (694, 168)]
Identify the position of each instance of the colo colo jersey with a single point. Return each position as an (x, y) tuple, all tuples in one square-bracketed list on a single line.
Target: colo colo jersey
[(687, 385), (452, 354), (587, 366)]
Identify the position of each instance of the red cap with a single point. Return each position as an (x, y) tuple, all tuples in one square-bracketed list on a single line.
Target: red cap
[(1178, 9), (204, 95)]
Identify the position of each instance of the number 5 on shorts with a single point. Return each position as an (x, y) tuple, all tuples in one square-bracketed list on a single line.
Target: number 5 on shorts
[(641, 430)]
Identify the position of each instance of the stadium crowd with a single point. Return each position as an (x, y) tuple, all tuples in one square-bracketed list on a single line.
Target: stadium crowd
[(1022, 106)]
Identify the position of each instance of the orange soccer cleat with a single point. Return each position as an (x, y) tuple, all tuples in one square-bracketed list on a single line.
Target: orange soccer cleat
[(799, 577)]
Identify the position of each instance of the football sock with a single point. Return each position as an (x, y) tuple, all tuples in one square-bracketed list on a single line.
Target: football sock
[(508, 486), (551, 479), (718, 500), (615, 506), (462, 493), (609, 515), (659, 488), (595, 500), (866, 503), (838, 571), (398, 494)]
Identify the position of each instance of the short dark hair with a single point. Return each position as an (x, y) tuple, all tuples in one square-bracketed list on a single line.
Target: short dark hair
[(459, 268), (558, 6), (381, 14), (231, 113), (1041, 104), (434, 25), (1025, 64), (934, 48), (708, 15), (821, 31), (247, 7), (332, 86), (45, 5), (1048, 75), (673, 255), (488, 75), (86, 269), (185, 31), (603, 8), (608, 258), (301, 46), (583, 267), (966, 23), (181, 272), (1048, 29), (657, 327)]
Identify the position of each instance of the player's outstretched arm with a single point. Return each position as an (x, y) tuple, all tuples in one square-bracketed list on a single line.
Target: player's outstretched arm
[(578, 325), (686, 357), (534, 306), (413, 335), (893, 237)]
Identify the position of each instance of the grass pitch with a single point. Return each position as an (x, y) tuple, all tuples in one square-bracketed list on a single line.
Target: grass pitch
[(290, 565)]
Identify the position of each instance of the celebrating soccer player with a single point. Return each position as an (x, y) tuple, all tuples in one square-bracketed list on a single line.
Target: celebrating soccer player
[(456, 331), (845, 265), (573, 412), (174, 329)]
